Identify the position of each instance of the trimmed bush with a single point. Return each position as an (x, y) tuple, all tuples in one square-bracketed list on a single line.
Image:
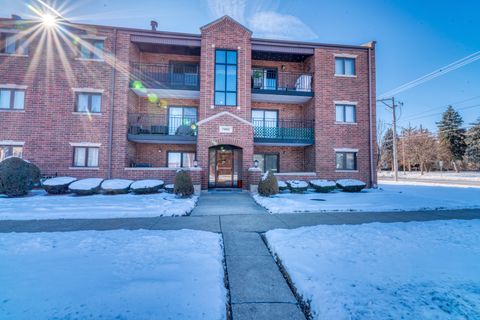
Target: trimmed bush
[(116, 186), (183, 186), (351, 185), (169, 187), (18, 176), (268, 185), (146, 186), (58, 185), (85, 187), (323, 186), (297, 186), (282, 186)]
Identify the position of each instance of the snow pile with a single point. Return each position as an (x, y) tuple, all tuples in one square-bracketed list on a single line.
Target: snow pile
[(117, 274), (351, 185), (41, 206), (58, 185), (264, 176), (415, 270), (146, 186), (297, 186), (386, 198), (169, 187), (116, 186), (323, 186), (86, 186), (282, 186)]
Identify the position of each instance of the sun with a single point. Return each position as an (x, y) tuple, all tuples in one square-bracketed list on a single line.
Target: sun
[(48, 20)]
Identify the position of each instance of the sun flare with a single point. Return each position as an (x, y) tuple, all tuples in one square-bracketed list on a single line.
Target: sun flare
[(49, 20)]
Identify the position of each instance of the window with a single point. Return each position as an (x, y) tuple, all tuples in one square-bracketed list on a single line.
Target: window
[(225, 78), (265, 118), (10, 151), (346, 160), (267, 161), (184, 75), (12, 43), (264, 78), (88, 102), (345, 66), (13, 99), (346, 113), (180, 159), (85, 156), (183, 117), (91, 49)]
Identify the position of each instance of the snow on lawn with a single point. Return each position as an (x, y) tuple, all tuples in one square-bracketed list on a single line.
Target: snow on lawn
[(414, 270), (42, 206), (112, 275), (445, 175), (386, 198)]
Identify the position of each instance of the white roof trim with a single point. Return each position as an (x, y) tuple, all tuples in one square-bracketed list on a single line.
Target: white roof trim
[(11, 143), (85, 144), (345, 55), (13, 86), (223, 113), (88, 90), (345, 150), (346, 102)]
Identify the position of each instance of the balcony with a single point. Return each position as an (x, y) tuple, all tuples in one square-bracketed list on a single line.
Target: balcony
[(162, 128), (283, 132), (270, 85), (173, 80)]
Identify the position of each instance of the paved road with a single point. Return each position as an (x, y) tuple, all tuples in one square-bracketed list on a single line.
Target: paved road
[(426, 180)]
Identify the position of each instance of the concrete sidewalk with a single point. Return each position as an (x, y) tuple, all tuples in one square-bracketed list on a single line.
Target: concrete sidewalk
[(226, 203)]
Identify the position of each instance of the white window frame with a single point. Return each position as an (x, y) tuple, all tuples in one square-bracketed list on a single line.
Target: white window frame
[(346, 103), (12, 144), (346, 150), (13, 90), (345, 56)]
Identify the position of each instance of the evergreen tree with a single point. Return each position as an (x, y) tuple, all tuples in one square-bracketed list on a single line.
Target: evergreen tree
[(473, 143), (386, 150), (451, 134)]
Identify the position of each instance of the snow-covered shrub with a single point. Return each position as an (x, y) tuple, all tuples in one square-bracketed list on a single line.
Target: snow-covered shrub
[(169, 187), (268, 184), (57, 185), (282, 186), (323, 186), (18, 176), (183, 186), (116, 186), (297, 186), (146, 186), (351, 185), (85, 187)]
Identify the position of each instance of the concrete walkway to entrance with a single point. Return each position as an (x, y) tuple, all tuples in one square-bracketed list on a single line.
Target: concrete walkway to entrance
[(216, 203)]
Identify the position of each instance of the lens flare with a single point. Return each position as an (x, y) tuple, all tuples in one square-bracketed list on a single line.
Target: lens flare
[(49, 21)]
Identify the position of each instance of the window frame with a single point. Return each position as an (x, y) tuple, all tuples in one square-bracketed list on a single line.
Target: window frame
[(215, 78), (344, 162), (344, 59), (264, 154), (87, 156), (21, 47), (344, 113), (263, 119), (12, 98), (11, 147), (91, 53), (89, 105), (181, 158)]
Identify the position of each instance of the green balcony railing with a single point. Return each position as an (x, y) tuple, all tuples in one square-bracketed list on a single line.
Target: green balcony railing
[(283, 131)]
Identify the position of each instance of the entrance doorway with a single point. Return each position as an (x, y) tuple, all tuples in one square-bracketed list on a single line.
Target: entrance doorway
[(225, 167)]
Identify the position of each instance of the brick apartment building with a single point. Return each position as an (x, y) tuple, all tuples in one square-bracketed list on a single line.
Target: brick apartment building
[(98, 101)]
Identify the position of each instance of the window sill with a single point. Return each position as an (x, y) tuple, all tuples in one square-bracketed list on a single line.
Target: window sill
[(87, 113), (13, 55), (346, 75), (86, 59), (346, 170), (84, 168), (347, 123), (13, 110)]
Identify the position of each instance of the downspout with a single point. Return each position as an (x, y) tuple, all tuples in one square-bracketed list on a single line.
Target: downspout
[(112, 101), (370, 116)]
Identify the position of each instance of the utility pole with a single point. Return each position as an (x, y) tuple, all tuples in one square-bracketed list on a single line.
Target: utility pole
[(393, 107)]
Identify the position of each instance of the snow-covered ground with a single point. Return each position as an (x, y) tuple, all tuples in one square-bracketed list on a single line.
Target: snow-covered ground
[(112, 275), (42, 206), (414, 270), (450, 175), (387, 198)]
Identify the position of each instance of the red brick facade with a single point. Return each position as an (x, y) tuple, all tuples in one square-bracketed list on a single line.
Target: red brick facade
[(53, 72)]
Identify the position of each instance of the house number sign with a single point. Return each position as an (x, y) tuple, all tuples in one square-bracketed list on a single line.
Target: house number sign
[(225, 129)]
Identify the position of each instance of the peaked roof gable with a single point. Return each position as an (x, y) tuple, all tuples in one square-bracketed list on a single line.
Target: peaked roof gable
[(223, 113), (225, 18)]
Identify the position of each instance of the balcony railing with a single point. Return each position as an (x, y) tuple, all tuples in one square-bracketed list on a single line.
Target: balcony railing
[(161, 127), (165, 76), (283, 131), (273, 81)]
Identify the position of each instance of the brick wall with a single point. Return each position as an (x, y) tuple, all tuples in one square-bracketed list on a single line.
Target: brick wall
[(156, 154), (292, 159)]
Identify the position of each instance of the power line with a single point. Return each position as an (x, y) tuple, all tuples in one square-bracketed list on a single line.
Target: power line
[(442, 106)]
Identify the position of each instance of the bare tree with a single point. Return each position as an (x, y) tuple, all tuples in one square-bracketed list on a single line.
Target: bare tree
[(422, 148)]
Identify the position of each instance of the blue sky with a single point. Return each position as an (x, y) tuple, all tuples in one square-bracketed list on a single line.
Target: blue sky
[(414, 37)]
